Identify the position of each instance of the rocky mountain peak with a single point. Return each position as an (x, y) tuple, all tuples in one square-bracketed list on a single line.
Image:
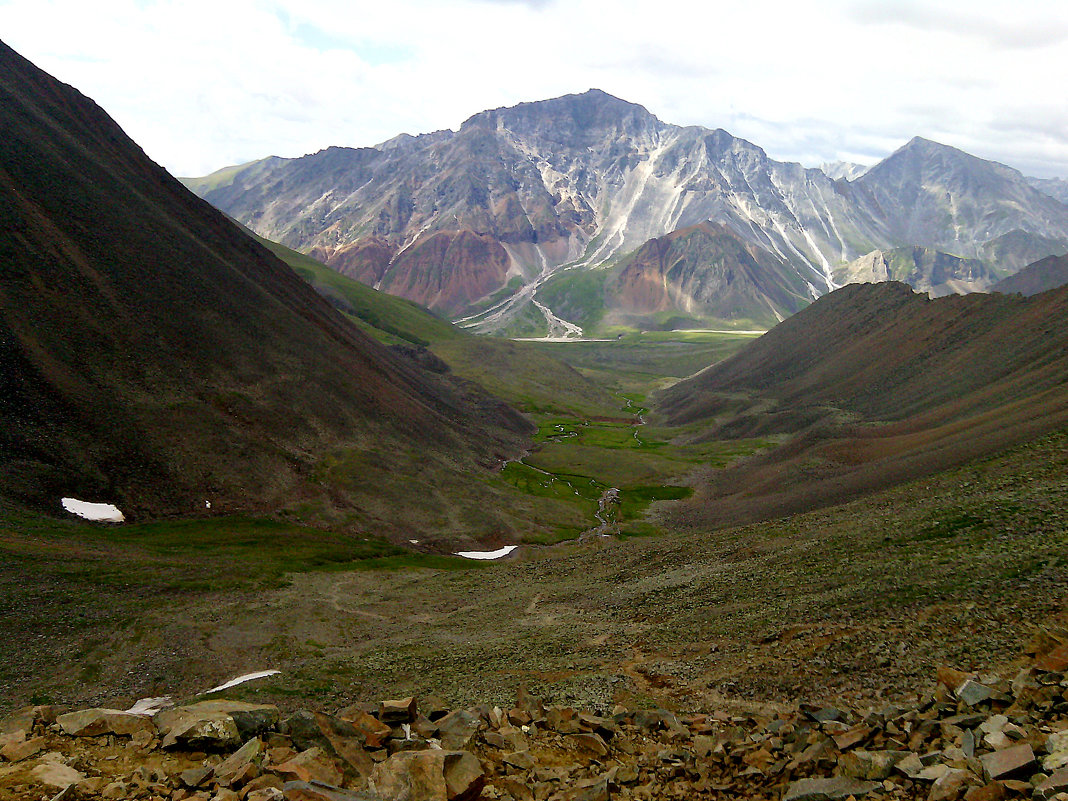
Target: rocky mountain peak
[(577, 120), (923, 158)]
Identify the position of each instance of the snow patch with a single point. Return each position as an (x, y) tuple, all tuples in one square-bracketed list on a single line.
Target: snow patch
[(498, 554), (150, 706), (100, 512), (241, 680)]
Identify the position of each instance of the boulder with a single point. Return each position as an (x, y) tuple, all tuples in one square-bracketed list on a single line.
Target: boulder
[(95, 722), (214, 725), (457, 729), (249, 720), (335, 737), (429, 776), (834, 789), (241, 766), (196, 730), (310, 766), (399, 711), (56, 774), (1008, 762)]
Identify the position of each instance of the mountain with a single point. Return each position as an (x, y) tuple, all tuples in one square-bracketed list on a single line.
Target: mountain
[(924, 269), (684, 279), (1056, 188), (155, 356), (473, 223), (1042, 276), (939, 197), (875, 384), (843, 170)]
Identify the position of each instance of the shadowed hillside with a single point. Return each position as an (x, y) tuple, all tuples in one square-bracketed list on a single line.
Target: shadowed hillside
[(878, 385), (1048, 273), (153, 355)]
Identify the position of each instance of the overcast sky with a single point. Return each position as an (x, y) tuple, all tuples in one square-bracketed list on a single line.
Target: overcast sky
[(201, 85)]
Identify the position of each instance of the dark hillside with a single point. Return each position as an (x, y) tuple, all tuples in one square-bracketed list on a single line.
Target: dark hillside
[(877, 385), (153, 355), (1042, 276)]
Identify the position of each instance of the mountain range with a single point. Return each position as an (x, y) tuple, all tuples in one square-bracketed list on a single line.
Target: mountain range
[(523, 219)]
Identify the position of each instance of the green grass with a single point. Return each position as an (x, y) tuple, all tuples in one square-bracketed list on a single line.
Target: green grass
[(641, 363), (209, 554), (576, 296), (634, 501), (530, 378), (216, 180), (565, 487)]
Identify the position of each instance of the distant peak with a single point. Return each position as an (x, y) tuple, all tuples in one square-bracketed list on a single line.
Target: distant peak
[(919, 144), (590, 98)]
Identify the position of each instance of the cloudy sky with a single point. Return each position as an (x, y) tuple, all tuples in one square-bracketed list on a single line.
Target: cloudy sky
[(201, 85)]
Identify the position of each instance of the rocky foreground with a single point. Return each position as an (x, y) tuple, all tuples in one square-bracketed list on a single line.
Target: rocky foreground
[(979, 738)]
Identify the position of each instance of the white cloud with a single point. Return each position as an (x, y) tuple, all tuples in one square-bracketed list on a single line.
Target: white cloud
[(201, 85)]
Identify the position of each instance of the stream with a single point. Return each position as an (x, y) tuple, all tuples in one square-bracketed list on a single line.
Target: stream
[(610, 498)]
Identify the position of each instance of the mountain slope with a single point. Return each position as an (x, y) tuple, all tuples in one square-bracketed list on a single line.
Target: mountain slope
[(923, 269), (155, 356), (693, 277), (1056, 188), (939, 197), (522, 374), (473, 222), (875, 385), (1042, 276)]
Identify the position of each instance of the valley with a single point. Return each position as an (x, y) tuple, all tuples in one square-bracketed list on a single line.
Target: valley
[(570, 401), (675, 607)]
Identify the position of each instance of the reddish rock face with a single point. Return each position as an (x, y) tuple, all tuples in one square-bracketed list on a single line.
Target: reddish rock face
[(365, 261), (449, 270)]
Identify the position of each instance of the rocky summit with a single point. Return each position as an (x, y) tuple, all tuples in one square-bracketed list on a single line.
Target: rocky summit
[(971, 736)]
